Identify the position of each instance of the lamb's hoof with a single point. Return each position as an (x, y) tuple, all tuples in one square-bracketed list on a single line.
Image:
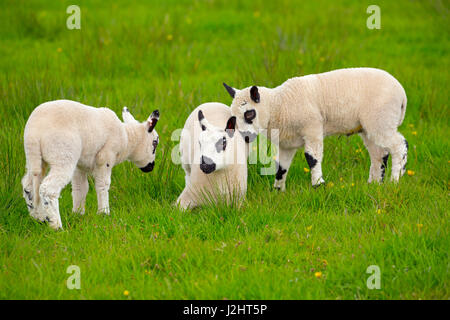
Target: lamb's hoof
[(38, 217), (184, 207), (53, 223), (315, 186), (375, 181), (78, 211), (318, 183), (39, 220), (104, 211), (280, 186)]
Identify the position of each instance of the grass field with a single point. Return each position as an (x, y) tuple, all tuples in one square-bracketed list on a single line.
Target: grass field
[(174, 55)]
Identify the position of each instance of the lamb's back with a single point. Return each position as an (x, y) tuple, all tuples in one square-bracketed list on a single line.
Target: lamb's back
[(64, 116)]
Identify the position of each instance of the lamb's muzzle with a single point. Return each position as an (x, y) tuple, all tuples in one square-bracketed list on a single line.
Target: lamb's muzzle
[(207, 165), (148, 167)]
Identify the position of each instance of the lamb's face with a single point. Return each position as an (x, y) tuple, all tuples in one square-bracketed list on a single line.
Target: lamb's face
[(146, 151), (148, 139), (215, 144), (249, 111)]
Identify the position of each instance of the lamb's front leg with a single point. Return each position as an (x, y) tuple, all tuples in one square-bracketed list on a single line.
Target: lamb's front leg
[(80, 187), (102, 176), (284, 162), (185, 201), (314, 153)]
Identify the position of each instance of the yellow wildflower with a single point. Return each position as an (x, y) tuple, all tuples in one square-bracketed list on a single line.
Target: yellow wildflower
[(318, 274), (126, 293), (414, 133), (309, 228), (410, 173), (306, 170)]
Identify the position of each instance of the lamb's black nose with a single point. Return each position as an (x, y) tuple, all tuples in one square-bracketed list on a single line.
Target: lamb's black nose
[(207, 165), (248, 136), (148, 167)]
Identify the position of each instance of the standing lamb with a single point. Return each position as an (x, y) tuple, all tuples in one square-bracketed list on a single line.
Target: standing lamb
[(73, 140), (304, 110), (213, 157)]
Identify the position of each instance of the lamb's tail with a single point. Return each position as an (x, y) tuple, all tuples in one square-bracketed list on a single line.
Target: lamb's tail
[(34, 165), (403, 109)]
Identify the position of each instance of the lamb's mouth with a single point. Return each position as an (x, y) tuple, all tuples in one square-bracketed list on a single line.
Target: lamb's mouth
[(248, 136), (148, 167)]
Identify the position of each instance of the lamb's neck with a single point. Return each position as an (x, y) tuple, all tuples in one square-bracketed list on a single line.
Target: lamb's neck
[(133, 136), (276, 97)]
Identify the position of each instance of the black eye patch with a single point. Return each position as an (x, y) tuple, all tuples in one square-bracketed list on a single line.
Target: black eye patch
[(155, 144), (221, 144), (249, 115)]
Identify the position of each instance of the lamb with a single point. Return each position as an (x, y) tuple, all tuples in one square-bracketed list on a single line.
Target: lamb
[(213, 158), (304, 110), (75, 140)]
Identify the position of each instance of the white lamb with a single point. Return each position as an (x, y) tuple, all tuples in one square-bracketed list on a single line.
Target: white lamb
[(305, 109), (75, 140), (213, 157)]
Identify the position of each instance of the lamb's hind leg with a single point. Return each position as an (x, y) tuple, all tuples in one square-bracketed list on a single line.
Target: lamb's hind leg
[(397, 146), (49, 191), (27, 188), (378, 159), (30, 191)]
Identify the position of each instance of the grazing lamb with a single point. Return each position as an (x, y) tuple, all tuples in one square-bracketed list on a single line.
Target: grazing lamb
[(73, 140), (305, 109), (213, 157)]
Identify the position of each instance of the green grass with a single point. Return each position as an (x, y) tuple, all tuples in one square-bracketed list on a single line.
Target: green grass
[(174, 55)]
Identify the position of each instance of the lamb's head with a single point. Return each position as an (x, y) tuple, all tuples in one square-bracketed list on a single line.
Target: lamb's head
[(216, 144), (145, 140), (251, 107)]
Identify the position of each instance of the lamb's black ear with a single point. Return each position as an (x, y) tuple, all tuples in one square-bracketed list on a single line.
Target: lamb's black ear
[(152, 120), (201, 120), (231, 126), (254, 94), (230, 90)]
